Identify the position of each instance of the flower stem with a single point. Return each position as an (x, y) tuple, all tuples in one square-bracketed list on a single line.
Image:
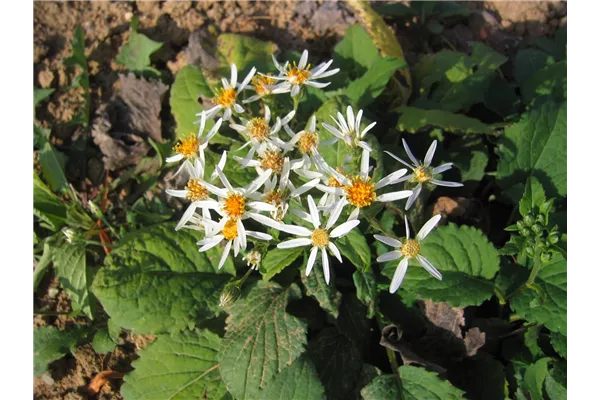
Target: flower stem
[(537, 264)]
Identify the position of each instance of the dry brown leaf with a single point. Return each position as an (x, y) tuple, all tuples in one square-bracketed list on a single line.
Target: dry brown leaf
[(99, 380)]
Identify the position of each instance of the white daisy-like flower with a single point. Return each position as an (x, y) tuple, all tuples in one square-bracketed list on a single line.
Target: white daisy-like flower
[(320, 238), (294, 76), (228, 230), (407, 249), (348, 129), (422, 172), (236, 204), (193, 146), (263, 85), (227, 96), (360, 192), (307, 142), (259, 134)]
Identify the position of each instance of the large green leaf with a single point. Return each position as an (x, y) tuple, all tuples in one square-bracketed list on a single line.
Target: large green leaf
[(245, 52), (546, 303), (50, 344), (369, 86), (75, 277), (548, 83), (467, 261), (328, 296), (366, 289), (261, 339), (178, 366), (188, 86), (53, 163), (535, 375), (355, 53), (157, 281), (414, 119), (298, 381), (555, 390), (135, 54), (51, 211), (354, 247), (533, 196), (536, 145), (277, 259), (559, 342), (382, 387), (528, 62)]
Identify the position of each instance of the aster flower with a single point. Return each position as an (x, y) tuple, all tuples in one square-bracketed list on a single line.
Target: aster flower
[(259, 134), (348, 128), (407, 249), (422, 172), (320, 238), (360, 192), (307, 142), (295, 76), (227, 96), (263, 85)]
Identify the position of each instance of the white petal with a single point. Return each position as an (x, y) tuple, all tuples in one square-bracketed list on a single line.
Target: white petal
[(258, 182), (429, 267), (210, 243), (233, 80), (304, 188), (365, 146), (311, 260), (288, 117), (225, 254), (271, 223), (335, 251), (328, 73), (314, 213), (325, 260), (239, 109), (241, 231), (248, 78), (227, 114), (210, 203), (364, 164), (406, 226), (446, 183), (430, 153), (389, 256), (367, 129), (251, 99), (320, 69), (259, 235), (294, 243), (319, 85), (429, 225), (388, 240), (262, 206), (303, 60), (224, 179), (354, 214), (213, 131), (177, 193), (350, 116), (357, 122), (399, 275), (215, 190), (295, 90), (295, 230), (395, 157), (189, 212), (343, 229), (176, 157), (393, 196), (409, 153), (331, 190), (335, 214), (333, 130), (312, 123), (442, 168), (413, 196), (391, 178)]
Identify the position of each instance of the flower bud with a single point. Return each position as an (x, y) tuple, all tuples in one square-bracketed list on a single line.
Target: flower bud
[(540, 219), (553, 238), (529, 219), (95, 210), (70, 234), (537, 228), (530, 252), (230, 294), (520, 225), (253, 259), (546, 257), (525, 232)]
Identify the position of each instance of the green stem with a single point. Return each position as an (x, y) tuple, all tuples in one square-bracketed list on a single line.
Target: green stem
[(390, 354), (536, 267)]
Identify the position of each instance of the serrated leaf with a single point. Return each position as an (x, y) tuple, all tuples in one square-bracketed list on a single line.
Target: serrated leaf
[(533, 380), (47, 206), (188, 86), (419, 384), (135, 54), (354, 247), (338, 362), (261, 339), (548, 304), (50, 344), (178, 366), (102, 342), (533, 197), (369, 86), (555, 390), (536, 146), (366, 289), (53, 167), (298, 381), (559, 342), (157, 280), (355, 53), (245, 52), (277, 259), (328, 296), (71, 269), (413, 119), (382, 387), (467, 261)]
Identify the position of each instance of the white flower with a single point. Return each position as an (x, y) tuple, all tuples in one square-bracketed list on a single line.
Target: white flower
[(264, 85), (408, 249), (320, 238), (193, 146), (296, 75), (349, 128), (359, 192), (422, 172), (307, 142), (253, 259), (227, 96)]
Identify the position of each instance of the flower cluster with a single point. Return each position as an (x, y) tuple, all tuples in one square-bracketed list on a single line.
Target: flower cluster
[(290, 170)]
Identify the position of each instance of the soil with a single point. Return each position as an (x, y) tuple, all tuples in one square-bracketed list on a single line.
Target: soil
[(316, 26)]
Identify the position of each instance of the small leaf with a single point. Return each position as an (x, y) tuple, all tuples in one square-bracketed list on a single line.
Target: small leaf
[(327, 295), (135, 54), (277, 259), (368, 87), (50, 344), (40, 94), (366, 289), (534, 196), (46, 206), (178, 366), (559, 342), (354, 247), (299, 381), (414, 119), (53, 167), (42, 265), (534, 378), (102, 342), (185, 92)]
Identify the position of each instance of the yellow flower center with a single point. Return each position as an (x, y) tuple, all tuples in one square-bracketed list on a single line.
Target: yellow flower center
[(332, 182), (196, 191), (187, 147), (410, 248), (235, 206), (320, 238), (230, 230), (258, 129), (361, 192), (272, 160), (422, 174), (296, 75), (308, 141), (259, 82), (273, 197), (225, 97)]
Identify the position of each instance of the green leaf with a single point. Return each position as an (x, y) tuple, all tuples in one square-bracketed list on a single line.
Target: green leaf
[(419, 384), (299, 381), (50, 344), (559, 342), (261, 339), (414, 119), (338, 362), (39, 95), (399, 10), (46, 206), (53, 167), (277, 259), (328, 296), (158, 281), (178, 366), (366, 289), (71, 269), (135, 54), (534, 378), (40, 136), (82, 80), (102, 342), (355, 53), (548, 83), (42, 265), (533, 197), (382, 387), (449, 9), (467, 261), (548, 304), (188, 86), (354, 247), (245, 52), (114, 330), (369, 86), (536, 146), (528, 62), (555, 390)]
